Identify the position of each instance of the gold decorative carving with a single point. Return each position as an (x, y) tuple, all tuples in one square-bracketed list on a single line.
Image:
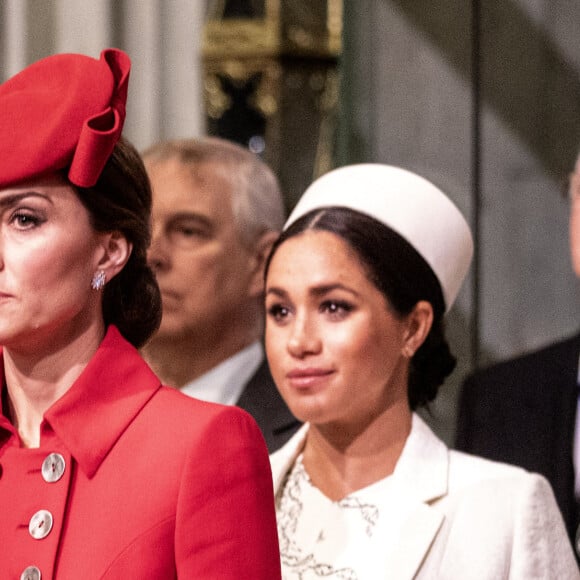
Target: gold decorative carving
[(302, 33), (277, 74), (265, 97)]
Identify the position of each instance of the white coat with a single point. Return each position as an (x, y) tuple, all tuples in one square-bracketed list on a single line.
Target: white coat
[(464, 517)]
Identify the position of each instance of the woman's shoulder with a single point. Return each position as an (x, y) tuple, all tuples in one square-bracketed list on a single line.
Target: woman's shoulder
[(472, 473), (468, 464), (190, 415)]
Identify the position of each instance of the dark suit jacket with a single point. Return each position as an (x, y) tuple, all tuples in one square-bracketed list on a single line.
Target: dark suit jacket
[(262, 400), (523, 411)]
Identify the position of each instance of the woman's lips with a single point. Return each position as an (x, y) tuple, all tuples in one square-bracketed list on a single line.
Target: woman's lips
[(308, 377)]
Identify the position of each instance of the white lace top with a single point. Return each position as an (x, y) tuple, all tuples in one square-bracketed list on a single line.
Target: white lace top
[(321, 538)]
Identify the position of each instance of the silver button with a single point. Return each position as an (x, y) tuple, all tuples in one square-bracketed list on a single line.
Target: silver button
[(40, 524), (31, 573), (53, 467)]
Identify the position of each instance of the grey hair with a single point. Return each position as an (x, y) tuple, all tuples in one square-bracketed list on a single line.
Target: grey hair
[(257, 202)]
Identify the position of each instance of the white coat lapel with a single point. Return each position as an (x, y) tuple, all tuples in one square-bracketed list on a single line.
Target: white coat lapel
[(420, 477), (281, 461), (417, 534)]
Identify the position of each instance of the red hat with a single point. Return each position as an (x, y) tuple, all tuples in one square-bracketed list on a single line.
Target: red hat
[(63, 112)]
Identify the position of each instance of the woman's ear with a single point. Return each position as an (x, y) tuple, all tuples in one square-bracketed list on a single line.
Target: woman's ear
[(116, 253), (419, 324)]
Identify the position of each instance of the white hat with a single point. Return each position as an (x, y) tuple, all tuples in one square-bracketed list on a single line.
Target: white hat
[(407, 203)]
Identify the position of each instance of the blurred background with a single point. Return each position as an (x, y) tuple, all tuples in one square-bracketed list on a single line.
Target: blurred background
[(480, 96)]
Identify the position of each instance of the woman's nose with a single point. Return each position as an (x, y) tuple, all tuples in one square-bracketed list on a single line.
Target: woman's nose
[(304, 338)]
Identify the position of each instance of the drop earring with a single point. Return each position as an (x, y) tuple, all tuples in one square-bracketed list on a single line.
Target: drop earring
[(98, 281)]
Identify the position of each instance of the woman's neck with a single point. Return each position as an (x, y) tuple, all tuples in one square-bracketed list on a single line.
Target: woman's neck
[(35, 381), (341, 459)]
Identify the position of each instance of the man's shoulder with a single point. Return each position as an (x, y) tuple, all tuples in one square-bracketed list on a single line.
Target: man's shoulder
[(538, 363), (259, 385), (262, 400)]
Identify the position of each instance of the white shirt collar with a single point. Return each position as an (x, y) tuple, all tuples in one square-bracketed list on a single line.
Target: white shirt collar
[(226, 381)]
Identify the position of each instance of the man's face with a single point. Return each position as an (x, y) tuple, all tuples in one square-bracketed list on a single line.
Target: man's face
[(203, 270), (575, 219)]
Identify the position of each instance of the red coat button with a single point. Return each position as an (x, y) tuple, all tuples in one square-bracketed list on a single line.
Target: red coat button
[(40, 524)]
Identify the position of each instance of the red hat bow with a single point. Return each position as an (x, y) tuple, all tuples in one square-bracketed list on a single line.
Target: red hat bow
[(64, 112)]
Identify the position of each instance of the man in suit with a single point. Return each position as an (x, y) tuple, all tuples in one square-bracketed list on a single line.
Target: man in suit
[(217, 209), (524, 411)]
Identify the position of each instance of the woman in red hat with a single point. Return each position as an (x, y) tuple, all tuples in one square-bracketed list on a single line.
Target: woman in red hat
[(104, 473), (357, 287)]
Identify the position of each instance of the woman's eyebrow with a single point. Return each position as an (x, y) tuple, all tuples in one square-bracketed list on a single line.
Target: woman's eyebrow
[(276, 292), (326, 288), (14, 198), (317, 291)]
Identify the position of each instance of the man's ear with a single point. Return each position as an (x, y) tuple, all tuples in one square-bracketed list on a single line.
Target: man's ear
[(419, 323), (116, 253), (261, 253)]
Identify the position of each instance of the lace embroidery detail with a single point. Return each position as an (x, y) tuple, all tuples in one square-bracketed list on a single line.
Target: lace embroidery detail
[(369, 512), (301, 563)]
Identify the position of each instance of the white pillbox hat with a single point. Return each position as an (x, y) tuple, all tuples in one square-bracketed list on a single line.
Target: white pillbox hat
[(407, 203)]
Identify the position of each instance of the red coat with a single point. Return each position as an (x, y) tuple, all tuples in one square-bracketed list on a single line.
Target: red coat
[(156, 485)]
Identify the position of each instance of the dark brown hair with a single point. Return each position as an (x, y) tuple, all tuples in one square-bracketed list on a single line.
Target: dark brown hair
[(121, 201)]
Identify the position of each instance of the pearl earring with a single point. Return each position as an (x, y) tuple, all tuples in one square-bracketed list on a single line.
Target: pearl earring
[(99, 280)]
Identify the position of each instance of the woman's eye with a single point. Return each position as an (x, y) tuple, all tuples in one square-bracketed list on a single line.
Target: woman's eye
[(278, 312), (336, 308), (25, 221)]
